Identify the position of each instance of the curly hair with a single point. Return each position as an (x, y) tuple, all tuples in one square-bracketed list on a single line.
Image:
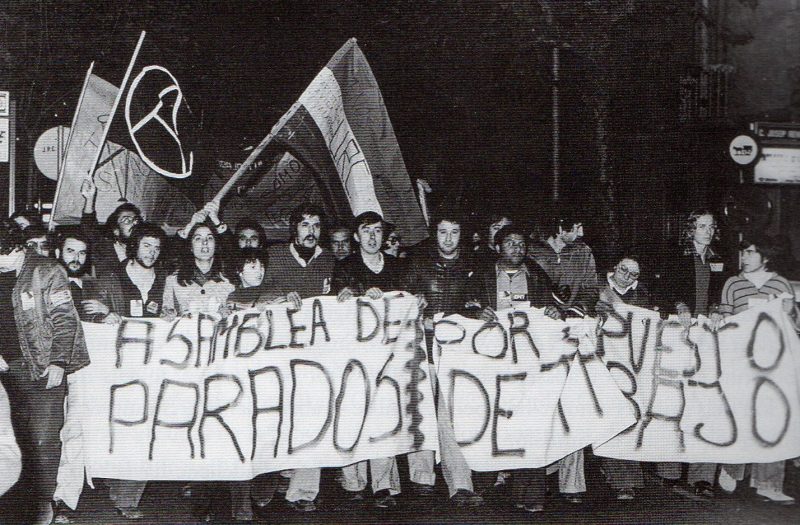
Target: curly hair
[(690, 224), (11, 237), (139, 232)]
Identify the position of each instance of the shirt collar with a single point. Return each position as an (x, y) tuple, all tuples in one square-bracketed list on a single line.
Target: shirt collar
[(621, 291), (78, 282), (300, 260), (499, 270)]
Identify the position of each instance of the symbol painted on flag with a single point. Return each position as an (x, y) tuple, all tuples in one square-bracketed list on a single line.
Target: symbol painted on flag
[(172, 89)]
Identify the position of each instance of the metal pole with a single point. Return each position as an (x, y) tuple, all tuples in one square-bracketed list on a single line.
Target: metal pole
[(12, 157), (556, 135)]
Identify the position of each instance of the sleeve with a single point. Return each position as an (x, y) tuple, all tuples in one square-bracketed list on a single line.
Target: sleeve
[(10, 457), (91, 227), (62, 314), (343, 278), (168, 300), (587, 294), (726, 302)]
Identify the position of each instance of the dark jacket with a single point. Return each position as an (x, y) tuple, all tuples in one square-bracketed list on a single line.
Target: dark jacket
[(351, 272), (679, 283), (104, 256), (540, 288), (118, 292), (48, 325), (447, 284)]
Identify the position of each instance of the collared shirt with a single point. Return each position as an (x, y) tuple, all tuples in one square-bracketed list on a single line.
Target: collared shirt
[(142, 278), (302, 262), (375, 268), (512, 288), (622, 291)]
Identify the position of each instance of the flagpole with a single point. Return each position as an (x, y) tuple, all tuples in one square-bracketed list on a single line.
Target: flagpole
[(52, 224), (246, 164), (116, 103)]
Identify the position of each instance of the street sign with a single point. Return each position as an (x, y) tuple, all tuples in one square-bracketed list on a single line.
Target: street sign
[(743, 150)]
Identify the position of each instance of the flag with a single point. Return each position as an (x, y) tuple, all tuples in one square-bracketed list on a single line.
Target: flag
[(83, 146), (340, 129), (267, 193), (120, 175)]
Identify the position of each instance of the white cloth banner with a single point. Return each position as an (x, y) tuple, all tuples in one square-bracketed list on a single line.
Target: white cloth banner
[(525, 391), (201, 399), (726, 397)]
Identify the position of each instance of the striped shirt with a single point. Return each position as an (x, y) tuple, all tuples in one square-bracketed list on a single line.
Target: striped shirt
[(738, 291)]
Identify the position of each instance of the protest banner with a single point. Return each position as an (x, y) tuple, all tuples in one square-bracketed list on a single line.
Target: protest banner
[(731, 396), (526, 390), (340, 130), (205, 399)]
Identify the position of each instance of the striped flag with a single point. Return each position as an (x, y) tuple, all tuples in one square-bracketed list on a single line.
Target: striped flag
[(340, 129)]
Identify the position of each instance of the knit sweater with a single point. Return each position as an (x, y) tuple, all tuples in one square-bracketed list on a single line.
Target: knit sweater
[(738, 291), (285, 273)]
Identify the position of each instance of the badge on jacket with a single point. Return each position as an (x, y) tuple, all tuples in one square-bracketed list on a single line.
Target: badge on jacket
[(27, 301)]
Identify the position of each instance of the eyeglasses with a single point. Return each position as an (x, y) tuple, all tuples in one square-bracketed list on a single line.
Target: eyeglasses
[(625, 271), (515, 244), (128, 219)]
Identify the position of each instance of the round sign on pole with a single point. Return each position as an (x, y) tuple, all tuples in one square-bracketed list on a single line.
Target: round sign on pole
[(743, 150), (49, 151)]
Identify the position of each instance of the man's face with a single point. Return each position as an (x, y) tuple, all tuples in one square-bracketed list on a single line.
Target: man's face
[(248, 238), (513, 250), (704, 228), (626, 272), (73, 257), (340, 244), (370, 237), (572, 235), (448, 236), (752, 260), (148, 251), (496, 227), (126, 220), (203, 244), (308, 231)]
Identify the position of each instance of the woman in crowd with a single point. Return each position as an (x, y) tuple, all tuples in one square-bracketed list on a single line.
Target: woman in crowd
[(755, 285), (200, 286)]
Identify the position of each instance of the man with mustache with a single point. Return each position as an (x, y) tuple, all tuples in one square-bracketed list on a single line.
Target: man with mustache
[(296, 271), (73, 252)]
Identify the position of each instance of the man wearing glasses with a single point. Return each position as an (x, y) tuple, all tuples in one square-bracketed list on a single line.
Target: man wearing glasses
[(109, 245)]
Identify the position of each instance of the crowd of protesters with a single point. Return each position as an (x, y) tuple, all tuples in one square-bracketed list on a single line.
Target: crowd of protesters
[(131, 268)]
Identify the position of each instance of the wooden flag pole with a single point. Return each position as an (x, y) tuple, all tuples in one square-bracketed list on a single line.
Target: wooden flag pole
[(246, 164), (116, 103), (52, 224)]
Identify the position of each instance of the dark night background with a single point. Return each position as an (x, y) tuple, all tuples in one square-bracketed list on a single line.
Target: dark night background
[(468, 86)]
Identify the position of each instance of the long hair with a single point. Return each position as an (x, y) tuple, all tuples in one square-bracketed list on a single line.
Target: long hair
[(186, 264), (139, 232), (111, 222), (690, 224)]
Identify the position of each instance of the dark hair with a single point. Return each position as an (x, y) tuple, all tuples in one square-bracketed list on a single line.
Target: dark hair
[(11, 237), (186, 264), (111, 222), (244, 257), (252, 224), (689, 225), (339, 227), (370, 217), (449, 214), (767, 246), (72, 233), (505, 231), (139, 232), (296, 217)]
